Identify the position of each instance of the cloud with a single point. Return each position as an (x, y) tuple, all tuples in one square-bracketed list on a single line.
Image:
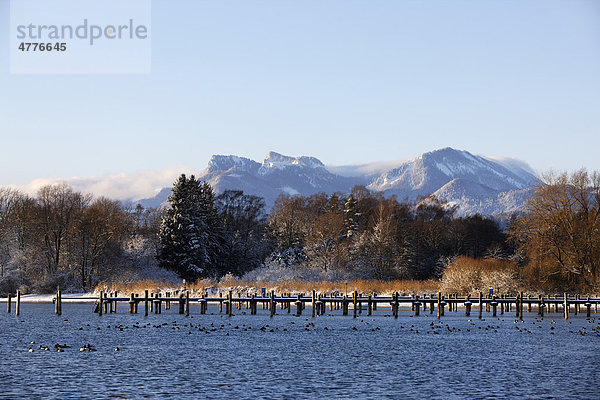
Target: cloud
[(374, 168), (123, 186)]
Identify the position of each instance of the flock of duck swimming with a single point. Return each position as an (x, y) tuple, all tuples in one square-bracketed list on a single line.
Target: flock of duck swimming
[(435, 327)]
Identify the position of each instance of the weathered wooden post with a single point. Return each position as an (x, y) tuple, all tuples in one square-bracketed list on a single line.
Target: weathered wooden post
[(370, 305), (298, 307), (480, 311), (345, 302), (468, 306), (517, 305), (100, 300), (502, 305), (181, 304), (203, 304), (440, 309), (116, 301), (105, 296), (566, 306), (131, 303), (146, 303), (156, 301), (273, 306), (230, 298), (168, 302), (354, 299), (417, 306), (313, 303), (494, 305), (588, 306), (253, 304), (57, 309), (18, 305), (396, 304), (8, 303), (110, 303), (521, 306), (576, 311), (187, 303), (528, 303), (542, 305)]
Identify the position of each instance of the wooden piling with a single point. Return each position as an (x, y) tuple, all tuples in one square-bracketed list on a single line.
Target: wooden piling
[(517, 306), (187, 303), (145, 303), (100, 300), (480, 311), (18, 305), (230, 298), (181, 304), (370, 306), (313, 303), (396, 305), (417, 306), (521, 306), (58, 304), (298, 307), (494, 305), (253, 305), (566, 306), (354, 299), (468, 306), (8, 303), (273, 306), (588, 307), (131, 303)]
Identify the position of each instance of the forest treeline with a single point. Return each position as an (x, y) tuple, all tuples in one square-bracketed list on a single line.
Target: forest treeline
[(61, 237)]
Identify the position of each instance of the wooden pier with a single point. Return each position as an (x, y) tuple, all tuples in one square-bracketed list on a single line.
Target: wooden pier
[(490, 305)]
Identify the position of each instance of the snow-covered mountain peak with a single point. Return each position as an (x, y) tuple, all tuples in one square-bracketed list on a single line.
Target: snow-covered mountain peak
[(280, 161), (221, 163), (475, 183)]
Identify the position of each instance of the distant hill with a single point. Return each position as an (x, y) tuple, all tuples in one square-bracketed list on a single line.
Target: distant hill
[(489, 186)]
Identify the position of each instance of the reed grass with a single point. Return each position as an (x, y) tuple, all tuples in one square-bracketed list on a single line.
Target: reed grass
[(363, 286)]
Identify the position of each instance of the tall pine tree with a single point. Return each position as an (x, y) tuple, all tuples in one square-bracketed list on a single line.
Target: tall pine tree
[(190, 234)]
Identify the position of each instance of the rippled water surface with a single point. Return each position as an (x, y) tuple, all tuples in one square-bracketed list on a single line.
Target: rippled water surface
[(212, 356)]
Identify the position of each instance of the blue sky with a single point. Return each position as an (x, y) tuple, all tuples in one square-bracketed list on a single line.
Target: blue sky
[(346, 81)]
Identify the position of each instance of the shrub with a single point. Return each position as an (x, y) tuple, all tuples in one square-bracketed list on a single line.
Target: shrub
[(467, 275)]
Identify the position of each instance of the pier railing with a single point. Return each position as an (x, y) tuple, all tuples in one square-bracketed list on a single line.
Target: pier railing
[(319, 302)]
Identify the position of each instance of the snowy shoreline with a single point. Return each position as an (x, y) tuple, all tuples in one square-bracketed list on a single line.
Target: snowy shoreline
[(48, 298)]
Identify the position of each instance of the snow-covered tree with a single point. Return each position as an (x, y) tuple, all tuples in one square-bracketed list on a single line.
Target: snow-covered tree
[(189, 233)]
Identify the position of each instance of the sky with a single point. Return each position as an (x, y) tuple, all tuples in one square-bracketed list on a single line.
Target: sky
[(345, 81)]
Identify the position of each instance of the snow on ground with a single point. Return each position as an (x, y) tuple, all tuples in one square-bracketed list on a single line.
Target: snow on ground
[(66, 298)]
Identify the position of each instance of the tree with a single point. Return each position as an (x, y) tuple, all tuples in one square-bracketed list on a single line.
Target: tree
[(58, 206), (243, 222), (190, 241), (561, 233)]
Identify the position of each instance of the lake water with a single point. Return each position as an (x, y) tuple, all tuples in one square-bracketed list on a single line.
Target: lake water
[(170, 356)]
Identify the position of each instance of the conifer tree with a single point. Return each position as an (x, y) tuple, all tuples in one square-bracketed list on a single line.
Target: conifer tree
[(189, 233)]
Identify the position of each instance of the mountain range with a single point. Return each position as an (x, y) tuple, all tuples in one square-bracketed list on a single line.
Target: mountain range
[(476, 184)]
